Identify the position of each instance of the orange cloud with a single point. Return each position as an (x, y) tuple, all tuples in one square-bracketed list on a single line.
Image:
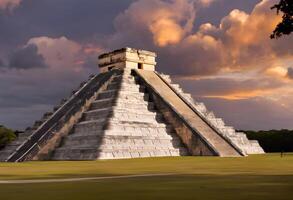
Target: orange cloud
[(167, 22), (239, 43), (206, 2), (239, 95), (9, 4), (278, 71), (166, 31)]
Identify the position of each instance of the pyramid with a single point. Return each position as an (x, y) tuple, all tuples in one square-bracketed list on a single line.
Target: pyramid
[(128, 110)]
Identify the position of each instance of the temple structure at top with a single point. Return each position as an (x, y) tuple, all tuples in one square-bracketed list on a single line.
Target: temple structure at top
[(128, 110), (128, 58)]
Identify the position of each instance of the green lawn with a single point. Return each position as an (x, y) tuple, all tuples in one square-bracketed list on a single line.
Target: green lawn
[(253, 177)]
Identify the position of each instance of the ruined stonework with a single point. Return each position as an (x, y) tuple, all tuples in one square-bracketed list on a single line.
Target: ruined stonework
[(127, 111)]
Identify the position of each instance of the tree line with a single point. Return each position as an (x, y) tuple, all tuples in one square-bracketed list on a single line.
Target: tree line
[(273, 140), (6, 136)]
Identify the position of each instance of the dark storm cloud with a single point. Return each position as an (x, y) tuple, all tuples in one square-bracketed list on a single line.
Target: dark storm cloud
[(76, 19), (27, 58), (25, 95), (290, 72)]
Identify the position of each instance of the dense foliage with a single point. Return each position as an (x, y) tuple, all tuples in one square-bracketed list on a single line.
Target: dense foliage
[(6, 136), (273, 140), (285, 27)]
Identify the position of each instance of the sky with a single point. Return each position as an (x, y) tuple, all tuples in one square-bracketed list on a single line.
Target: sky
[(218, 50)]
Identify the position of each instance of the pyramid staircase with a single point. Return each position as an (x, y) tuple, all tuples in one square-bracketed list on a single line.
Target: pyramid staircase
[(121, 123)]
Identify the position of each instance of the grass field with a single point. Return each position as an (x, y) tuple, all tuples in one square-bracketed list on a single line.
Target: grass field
[(254, 177)]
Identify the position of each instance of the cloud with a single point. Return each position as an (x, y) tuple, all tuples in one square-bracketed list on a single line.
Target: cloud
[(161, 22), (9, 4), (27, 94), (58, 52), (278, 72), (27, 57), (206, 2), (290, 72), (240, 42)]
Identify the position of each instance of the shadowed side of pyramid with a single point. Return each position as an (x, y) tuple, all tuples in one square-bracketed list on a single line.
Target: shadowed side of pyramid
[(127, 111)]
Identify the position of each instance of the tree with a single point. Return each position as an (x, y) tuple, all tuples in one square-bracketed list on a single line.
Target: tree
[(285, 27), (6, 136), (273, 140)]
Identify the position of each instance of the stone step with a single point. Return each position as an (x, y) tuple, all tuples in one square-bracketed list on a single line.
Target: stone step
[(96, 114), (132, 101), (107, 94), (89, 153), (106, 134), (166, 77), (97, 125), (143, 110), (217, 122), (125, 94), (131, 89), (133, 132), (131, 141), (150, 106), (102, 103), (129, 80), (75, 154), (126, 81), (117, 78), (117, 113), (134, 125), (85, 126), (76, 133), (122, 154), (136, 118), (133, 95), (126, 87), (140, 109)]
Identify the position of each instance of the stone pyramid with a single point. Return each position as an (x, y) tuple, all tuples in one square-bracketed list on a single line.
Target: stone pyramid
[(121, 123), (127, 111)]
